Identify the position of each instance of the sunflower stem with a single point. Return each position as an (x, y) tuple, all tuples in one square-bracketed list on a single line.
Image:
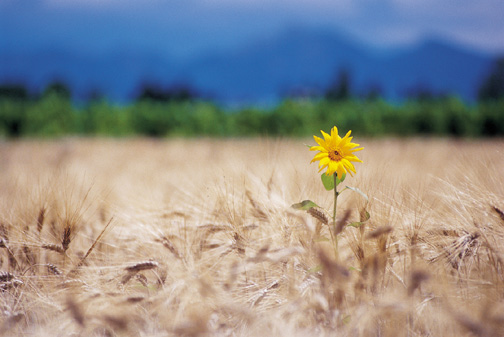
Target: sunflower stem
[(335, 237)]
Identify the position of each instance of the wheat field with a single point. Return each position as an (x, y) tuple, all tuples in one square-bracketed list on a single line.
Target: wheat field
[(138, 237)]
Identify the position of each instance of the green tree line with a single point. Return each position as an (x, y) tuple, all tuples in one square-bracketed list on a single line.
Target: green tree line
[(180, 112), (53, 115)]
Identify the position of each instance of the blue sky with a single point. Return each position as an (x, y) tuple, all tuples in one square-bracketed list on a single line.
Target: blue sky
[(183, 28)]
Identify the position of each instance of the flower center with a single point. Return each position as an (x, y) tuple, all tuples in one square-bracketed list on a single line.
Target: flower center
[(335, 155)]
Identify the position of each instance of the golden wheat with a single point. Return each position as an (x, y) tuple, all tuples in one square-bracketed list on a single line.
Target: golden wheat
[(204, 241)]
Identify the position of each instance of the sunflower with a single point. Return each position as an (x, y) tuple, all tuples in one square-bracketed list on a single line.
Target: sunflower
[(336, 153)]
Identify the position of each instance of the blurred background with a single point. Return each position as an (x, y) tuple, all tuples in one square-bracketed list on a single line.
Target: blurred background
[(242, 67)]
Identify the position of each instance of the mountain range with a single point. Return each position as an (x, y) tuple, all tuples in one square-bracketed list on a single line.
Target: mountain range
[(297, 60)]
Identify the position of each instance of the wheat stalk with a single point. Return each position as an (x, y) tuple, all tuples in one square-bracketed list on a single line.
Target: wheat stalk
[(53, 247), (145, 265)]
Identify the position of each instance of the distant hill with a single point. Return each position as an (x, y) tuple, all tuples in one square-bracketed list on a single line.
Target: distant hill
[(115, 75), (438, 65), (261, 72)]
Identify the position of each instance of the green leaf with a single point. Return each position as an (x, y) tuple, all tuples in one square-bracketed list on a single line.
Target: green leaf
[(327, 181), (304, 205), (356, 269), (338, 180), (321, 239), (355, 189)]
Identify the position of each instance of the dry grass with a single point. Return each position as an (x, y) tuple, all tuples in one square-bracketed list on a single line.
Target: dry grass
[(197, 238)]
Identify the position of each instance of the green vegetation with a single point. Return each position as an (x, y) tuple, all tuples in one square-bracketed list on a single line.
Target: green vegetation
[(177, 111), (53, 115)]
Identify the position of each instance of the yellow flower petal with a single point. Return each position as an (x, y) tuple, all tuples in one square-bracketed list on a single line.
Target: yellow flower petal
[(353, 158), (334, 131), (319, 141), (327, 138), (336, 153), (319, 156), (318, 148), (324, 161), (348, 165)]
